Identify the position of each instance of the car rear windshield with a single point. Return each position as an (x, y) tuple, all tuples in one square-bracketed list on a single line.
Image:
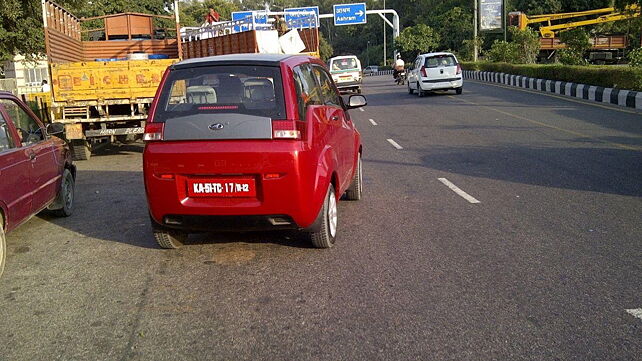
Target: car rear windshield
[(240, 89), (440, 61), (344, 64)]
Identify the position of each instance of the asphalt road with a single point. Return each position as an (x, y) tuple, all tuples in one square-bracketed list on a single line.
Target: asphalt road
[(542, 265)]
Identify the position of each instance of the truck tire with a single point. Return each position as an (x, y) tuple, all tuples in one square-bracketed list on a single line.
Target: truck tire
[(325, 233), (80, 149), (66, 195), (354, 191), (3, 246), (168, 238)]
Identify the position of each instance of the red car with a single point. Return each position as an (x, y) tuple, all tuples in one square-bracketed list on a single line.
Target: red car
[(250, 142), (36, 170)]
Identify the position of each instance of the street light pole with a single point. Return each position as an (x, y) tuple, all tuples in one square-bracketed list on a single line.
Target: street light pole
[(384, 37), (368, 53), (476, 14)]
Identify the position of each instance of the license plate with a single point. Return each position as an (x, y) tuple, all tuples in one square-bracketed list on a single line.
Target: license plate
[(221, 187)]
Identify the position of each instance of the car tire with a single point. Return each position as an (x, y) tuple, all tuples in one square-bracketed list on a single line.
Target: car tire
[(420, 91), (327, 221), (3, 246), (410, 90), (356, 188), (459, 90), (80, 149), (66, 195), (168, 238)]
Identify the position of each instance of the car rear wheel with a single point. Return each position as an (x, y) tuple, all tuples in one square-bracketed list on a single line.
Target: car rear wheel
[(420, 92), (354, 192), (168, 238), (3, 246), (66, 195), (410, 90), (327, 221), (459, 90)]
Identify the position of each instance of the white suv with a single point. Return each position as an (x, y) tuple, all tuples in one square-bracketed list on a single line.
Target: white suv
[(435, 71)]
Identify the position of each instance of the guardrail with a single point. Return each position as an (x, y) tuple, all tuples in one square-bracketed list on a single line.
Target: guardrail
[(621, 97)]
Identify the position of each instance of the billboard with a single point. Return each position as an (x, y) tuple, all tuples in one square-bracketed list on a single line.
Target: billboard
[(491, 15)]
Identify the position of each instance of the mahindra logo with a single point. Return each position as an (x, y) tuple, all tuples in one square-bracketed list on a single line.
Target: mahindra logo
[(216, 126)]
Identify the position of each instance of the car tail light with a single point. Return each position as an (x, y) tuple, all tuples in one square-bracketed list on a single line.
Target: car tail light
[(153, 132), (423, 71), (458, 69), (287, 129)]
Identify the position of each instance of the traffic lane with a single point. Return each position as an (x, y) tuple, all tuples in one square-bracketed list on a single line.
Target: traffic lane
[(109, 293), (551, 250)]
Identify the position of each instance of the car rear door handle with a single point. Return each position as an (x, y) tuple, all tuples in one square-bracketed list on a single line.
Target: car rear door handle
[(32, 155)]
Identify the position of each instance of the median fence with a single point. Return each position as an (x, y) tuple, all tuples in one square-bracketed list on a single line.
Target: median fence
[(621, 97), (383, 72)]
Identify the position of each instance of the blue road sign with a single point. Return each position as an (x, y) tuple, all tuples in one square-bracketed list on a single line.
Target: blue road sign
[(260, 17), (299, 21), (350, 14)]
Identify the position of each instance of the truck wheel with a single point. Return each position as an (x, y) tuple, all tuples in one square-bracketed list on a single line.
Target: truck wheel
[(66, 195), (80, 149), (327, 221), (3, 246), (126, 139), (354, 192), (168, 238)]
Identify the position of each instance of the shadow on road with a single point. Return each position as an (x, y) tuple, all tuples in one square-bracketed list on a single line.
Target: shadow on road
[(112, 206), (613, 171)]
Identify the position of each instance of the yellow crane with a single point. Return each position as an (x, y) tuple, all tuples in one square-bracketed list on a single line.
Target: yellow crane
[(548, 30)]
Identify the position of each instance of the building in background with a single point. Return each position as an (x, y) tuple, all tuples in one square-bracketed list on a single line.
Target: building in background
[(23, 77)]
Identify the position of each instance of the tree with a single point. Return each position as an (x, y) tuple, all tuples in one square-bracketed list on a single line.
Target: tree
[(527, 44), (416, 39), (503, 52), (577, 43), (325, 49)]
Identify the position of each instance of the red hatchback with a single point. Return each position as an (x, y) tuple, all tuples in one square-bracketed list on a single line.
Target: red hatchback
[(250, 142), (36, 170)]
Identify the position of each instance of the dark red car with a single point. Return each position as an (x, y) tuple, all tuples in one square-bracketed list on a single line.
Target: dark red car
[(36, 170), (250, 142)]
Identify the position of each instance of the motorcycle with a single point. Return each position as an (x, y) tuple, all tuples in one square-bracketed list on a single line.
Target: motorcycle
[(400, 77)]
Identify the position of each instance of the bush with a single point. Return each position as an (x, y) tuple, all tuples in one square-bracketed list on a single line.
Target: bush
[(570, 57), (503, 52), (527, 43), (605, 76), (635, 58), (577, 43)]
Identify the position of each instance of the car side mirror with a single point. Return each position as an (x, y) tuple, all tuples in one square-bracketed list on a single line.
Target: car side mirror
[(357, 101), (55, 128)]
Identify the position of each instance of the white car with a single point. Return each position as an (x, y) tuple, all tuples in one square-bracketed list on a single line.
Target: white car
[(346, 73), (435, 71)]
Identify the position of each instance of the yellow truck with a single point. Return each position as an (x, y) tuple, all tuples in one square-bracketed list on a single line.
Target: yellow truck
[(104, 79)]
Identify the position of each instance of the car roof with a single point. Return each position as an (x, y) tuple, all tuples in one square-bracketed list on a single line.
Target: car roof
[(236, 59), (437, 54), (343, 57)]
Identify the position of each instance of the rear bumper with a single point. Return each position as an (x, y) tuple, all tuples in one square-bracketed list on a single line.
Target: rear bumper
[(229, 223), (430, 84), (348, 84), (296, 195)]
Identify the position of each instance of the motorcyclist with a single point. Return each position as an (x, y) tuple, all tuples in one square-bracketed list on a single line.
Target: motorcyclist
[(399, 66)]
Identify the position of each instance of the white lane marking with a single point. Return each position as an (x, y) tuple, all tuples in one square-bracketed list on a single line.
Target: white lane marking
[(457, 190), (394, 144), (372, 121), (636, 312), (361, 109)]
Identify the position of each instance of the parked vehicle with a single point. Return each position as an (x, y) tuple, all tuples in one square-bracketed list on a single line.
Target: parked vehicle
[(346, 73), (435, 71), (250, 142), (371, 70), (36, 168)]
